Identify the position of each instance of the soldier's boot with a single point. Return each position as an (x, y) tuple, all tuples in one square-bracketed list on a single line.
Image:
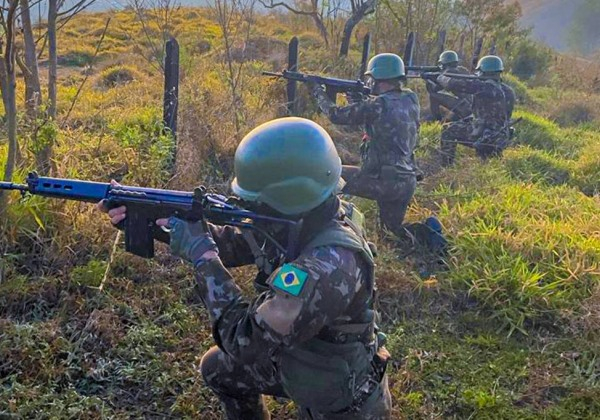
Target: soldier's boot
[(244, 408), (447, 151), (240, 400)]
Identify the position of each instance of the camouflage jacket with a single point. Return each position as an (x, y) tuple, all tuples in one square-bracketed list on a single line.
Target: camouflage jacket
[(493, 101), (322, 288), (391, 123), (432, 86)]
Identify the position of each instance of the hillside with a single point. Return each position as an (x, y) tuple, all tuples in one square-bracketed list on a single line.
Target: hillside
[(507, 328), (549, 19)]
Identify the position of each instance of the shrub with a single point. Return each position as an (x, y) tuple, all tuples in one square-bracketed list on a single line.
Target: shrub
[(80, 57), (574, 112), (90, 274), (530, 60), (117, 75), (521, 90)]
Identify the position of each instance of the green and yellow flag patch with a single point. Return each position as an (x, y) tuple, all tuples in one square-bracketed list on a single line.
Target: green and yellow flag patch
[(290, 279)]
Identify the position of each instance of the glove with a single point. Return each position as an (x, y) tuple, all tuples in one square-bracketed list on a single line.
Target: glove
[(314, 88), (442, 80), (428, 76), (190, 241)]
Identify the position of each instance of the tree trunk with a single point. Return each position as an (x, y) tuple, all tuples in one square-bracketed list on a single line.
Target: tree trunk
[(45, 144), (322, 29), (11, 123), (52, 58), (9, 97), (31, 75), (348, 29), (357, 15)]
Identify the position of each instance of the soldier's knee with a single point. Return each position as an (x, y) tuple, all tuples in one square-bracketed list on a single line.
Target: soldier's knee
[(209, 367)]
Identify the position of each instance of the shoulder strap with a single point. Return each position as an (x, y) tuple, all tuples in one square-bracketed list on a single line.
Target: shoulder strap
[(260, 257)]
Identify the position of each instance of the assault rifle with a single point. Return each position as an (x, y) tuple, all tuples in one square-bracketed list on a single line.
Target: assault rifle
[(506, 129), (432, 75), (421, 69), (145, 205), (490, 140), (333, 85)]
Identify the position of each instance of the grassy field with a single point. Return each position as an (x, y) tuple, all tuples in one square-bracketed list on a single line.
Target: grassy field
[(509, 330)]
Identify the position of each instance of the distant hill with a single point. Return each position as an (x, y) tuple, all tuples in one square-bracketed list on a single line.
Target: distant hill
[(550, 19)]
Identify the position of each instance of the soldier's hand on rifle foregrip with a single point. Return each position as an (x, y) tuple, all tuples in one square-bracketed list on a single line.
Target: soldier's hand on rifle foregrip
[(314, 87), (118, 214), (189, 240)]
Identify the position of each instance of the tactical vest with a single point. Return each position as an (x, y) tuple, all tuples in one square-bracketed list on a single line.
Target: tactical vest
[(322, 375), (490, 114), (393, 135)]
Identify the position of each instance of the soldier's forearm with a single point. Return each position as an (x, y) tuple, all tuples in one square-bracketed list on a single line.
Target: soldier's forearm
[(217, 288)]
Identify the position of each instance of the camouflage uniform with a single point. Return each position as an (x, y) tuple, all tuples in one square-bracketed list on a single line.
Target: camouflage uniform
[(458, 105), (388, 169), (274, 343), (493, 103)]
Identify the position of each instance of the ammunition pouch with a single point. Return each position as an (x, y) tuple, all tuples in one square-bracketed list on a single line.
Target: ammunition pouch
[(324, 376)]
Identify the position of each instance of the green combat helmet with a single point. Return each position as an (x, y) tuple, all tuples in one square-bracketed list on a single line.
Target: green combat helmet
[(490, 64), (447, 58), (289, 164), (385, 66)]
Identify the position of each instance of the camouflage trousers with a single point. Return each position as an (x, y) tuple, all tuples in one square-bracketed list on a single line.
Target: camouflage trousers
[(459, 107), (392, 191), (241, 388), (462, 132)]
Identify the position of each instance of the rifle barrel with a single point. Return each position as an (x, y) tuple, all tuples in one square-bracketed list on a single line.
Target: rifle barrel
[(423, 68), (271, 73), (13, 186), (452, 75)]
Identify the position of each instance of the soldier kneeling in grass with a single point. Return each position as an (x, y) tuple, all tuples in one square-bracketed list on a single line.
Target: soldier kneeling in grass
[(310, 335)]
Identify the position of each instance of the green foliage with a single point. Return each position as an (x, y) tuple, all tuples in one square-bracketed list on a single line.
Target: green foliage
[(541, 134), (524, 240), (118, 75), (89, 275), (520, 88), (586, 171), (525, 250), (143, 132), (536, 166), (78, 57), (530, 60)]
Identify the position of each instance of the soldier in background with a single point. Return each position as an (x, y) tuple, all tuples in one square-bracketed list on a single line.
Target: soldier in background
[(459, 107), (311, 335), (391, 120), (488, 130)]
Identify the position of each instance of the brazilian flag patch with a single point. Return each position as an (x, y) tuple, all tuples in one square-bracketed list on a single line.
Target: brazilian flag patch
[(290, 279)]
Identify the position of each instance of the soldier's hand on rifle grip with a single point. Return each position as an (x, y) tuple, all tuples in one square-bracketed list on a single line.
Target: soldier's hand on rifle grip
[(189, 240), (354, 97)]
